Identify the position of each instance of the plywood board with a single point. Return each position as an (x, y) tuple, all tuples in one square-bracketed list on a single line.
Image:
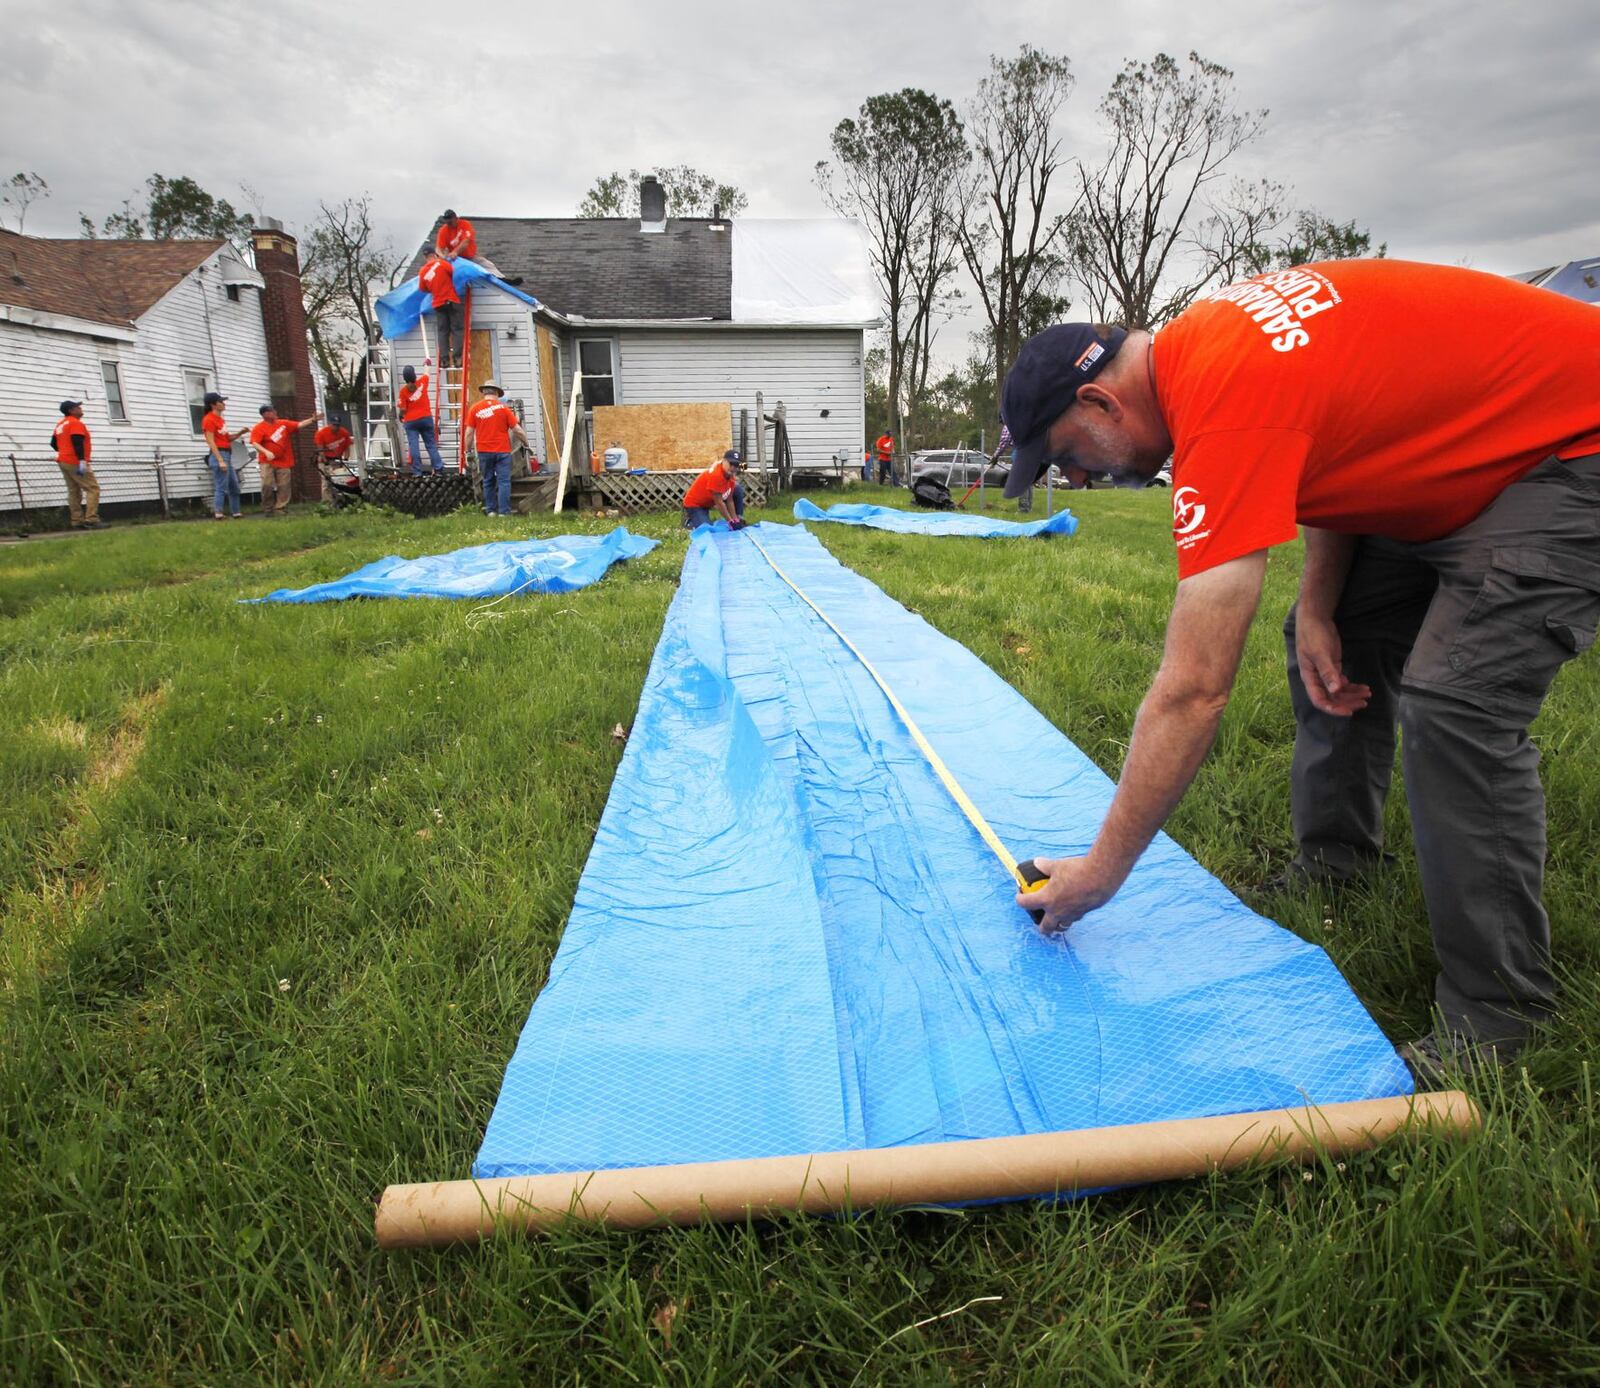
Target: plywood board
[(479, 364), (666, 436), (549, 392)]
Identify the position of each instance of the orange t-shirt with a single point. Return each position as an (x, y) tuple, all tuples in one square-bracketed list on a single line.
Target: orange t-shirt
[(334, 440), (66, 454), (213, 424), (414, 401), (493, 420), (463, 240), (272, 441), (886, 447), (439, 280), (708, 487), (1373, 397)]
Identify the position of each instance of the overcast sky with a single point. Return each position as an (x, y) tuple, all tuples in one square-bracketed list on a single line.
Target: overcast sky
[(1456, 131)]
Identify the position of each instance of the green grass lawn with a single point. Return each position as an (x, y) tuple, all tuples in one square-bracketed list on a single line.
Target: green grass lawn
[(278, 886)]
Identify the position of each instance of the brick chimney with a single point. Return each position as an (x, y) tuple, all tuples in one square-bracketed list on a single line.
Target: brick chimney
[(283, 315)]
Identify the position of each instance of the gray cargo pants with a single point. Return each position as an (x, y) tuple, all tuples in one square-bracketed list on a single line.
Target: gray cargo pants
[(1459, 639)]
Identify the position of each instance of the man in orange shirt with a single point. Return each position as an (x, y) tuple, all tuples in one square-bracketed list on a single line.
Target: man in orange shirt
[(273, 442), (219, 457), (718, 486), (1436, 432), (74, 448), (458, 237), (494, 424), (885, 450), (416, 414), (438, 279), (332, 442)]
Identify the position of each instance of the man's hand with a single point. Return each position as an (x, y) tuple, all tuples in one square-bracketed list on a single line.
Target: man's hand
[(1318, 649), (1074, 889)]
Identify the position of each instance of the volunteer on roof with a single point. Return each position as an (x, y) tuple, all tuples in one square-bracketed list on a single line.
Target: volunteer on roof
[(219, 458), (717, 487), (416, 414), (457, 237), (1436, 432), (273, 441), (494, 425), (74, 448), (438, 280), (332, 443)]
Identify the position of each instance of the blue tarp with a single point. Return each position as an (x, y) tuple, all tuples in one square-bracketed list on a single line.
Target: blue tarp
[(401, 309), (788, 939), (936, 522), (557, 565)]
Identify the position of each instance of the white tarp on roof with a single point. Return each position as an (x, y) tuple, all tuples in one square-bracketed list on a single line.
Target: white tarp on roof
[(804, 270)]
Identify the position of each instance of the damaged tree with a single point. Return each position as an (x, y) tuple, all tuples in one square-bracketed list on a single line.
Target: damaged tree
[(342, 264)]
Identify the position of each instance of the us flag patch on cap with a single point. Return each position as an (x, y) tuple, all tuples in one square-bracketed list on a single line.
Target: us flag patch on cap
[(1091, 354)]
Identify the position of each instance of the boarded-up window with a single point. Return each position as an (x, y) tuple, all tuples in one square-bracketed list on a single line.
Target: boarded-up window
[(111, 374), (599, 378)]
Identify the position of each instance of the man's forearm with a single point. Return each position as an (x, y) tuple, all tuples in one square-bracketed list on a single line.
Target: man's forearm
[(1171, 736), (1328, 557)]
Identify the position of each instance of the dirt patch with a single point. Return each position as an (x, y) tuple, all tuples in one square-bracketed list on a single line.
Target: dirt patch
[(119, 753)]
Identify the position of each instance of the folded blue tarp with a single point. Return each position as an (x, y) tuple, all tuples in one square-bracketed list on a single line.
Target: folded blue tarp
[(401, 309), (936, 522), (788, 939), (557, 565)]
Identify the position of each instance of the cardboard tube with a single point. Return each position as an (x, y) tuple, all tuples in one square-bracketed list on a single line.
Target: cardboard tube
[(937, 1173)]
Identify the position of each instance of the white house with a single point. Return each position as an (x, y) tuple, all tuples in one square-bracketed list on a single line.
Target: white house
[(139, 331), (677, 311)]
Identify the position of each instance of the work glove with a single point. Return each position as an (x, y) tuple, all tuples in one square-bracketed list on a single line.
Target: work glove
[(736, 525), (83, 469)]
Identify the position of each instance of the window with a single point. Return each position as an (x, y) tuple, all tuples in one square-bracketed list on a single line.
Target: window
[(195, 386), (232, 291), (599, 378), (111, 374)]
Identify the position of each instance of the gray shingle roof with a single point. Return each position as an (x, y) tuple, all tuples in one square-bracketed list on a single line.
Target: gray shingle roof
[(605, 267)]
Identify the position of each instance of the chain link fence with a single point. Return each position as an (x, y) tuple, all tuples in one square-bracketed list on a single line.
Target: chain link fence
[(31, 484)]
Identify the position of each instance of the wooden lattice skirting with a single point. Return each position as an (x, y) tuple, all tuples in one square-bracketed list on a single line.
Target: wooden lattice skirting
[(420, 496), (653, 491)]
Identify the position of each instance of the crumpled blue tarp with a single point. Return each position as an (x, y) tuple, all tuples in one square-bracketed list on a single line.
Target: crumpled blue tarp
[(557, 565), (788, 939), (936, 522), (401, 309)]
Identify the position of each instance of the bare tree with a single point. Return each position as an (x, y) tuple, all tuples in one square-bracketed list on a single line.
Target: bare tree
[(1014, 236), (897, 168), (20, 192), (342, 265), (1147, 235)]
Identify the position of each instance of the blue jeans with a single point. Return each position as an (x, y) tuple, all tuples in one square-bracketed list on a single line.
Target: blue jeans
[(496, 470), (701, 515), (224, 486), (420, 432)]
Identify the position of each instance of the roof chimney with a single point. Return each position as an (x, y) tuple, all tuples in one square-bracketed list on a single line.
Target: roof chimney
[(652, 205)]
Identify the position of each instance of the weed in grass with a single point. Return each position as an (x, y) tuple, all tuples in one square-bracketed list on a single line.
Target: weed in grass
[(189, 1149)]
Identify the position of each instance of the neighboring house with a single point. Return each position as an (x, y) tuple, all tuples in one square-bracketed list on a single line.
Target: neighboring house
[(140, 331), (674, 311), (1577, 279)]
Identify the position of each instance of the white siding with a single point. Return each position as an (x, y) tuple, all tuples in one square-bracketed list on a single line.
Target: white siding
[(514, 352), (195, 325), (810, 371)]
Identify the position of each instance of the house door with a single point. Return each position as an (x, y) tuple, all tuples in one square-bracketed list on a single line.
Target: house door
[(479, 365)]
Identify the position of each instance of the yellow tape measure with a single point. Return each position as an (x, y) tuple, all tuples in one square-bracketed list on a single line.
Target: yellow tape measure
[(1027, 876)]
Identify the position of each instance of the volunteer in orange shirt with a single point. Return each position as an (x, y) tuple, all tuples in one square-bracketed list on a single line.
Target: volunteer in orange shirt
[(717, 487), (273, 441), (494, 424), (416, 414), (438, 279), (885, 450), (458, 237), (1436, 432), (74, 448), (219, 458), (333, 442)]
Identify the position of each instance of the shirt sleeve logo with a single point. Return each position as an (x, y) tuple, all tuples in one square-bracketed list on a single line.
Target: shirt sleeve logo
[(1188, 511)]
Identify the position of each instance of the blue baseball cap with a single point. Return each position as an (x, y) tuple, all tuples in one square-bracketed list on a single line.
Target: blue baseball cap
[(1043, 383)]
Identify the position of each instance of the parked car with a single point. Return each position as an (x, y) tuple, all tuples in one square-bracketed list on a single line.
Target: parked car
[(957, 467)]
